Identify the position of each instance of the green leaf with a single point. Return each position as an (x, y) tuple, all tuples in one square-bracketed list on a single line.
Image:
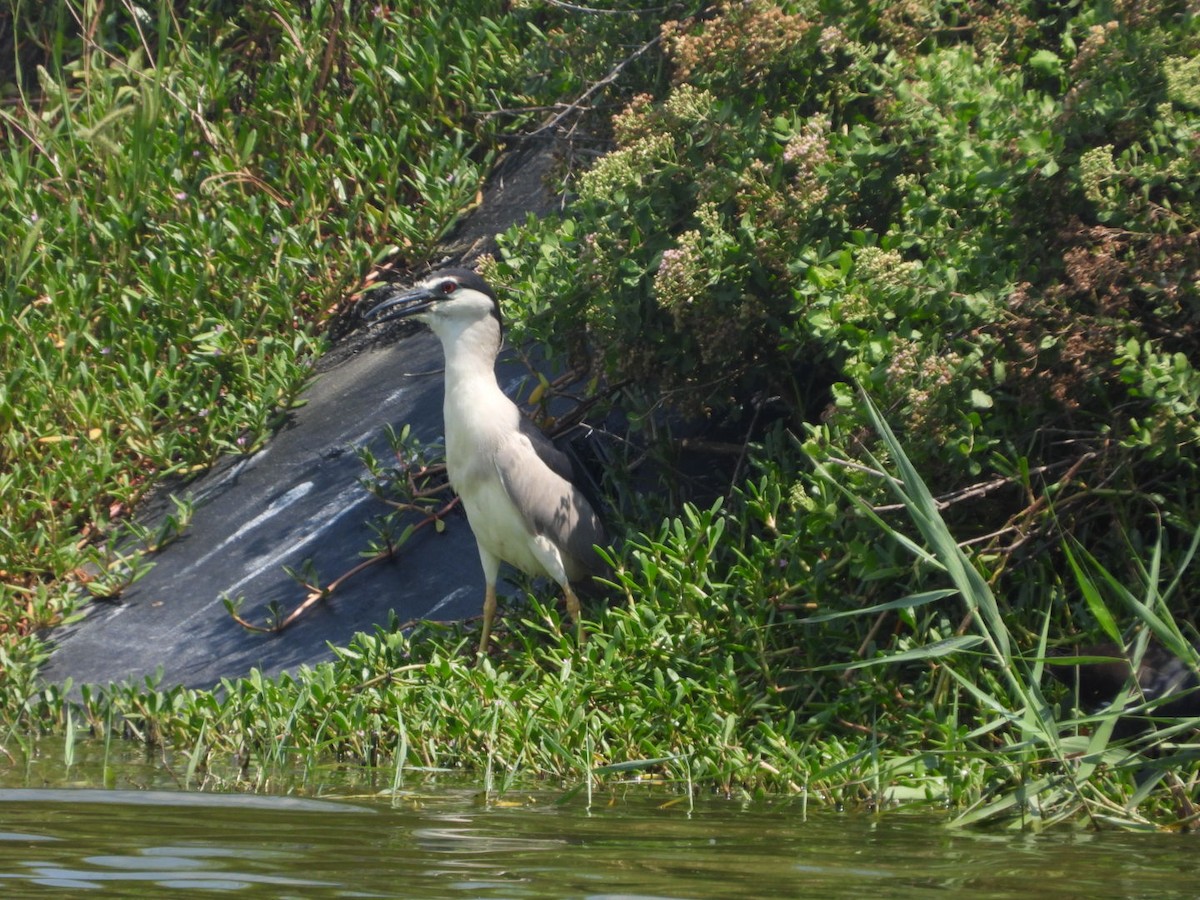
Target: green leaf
[(634, 764), (1046, 62), (908, 602), (928, 651)]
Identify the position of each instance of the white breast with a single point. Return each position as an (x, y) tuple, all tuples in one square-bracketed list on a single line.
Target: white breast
[(472, 436)]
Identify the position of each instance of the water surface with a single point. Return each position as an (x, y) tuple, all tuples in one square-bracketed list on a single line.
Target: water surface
[(433, 840), (450, 843)]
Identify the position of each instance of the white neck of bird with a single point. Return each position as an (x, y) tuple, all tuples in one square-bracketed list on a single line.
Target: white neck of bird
[(470, 348)]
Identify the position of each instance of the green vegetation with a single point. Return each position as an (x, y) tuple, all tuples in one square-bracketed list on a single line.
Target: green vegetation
[(187, 199), (928, 270)]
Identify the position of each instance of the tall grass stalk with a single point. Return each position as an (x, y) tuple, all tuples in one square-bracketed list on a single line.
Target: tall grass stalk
[(401, 754), (1040, 742)]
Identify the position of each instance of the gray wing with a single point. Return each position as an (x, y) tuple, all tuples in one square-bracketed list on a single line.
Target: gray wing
[(541, 485), (558, 461)]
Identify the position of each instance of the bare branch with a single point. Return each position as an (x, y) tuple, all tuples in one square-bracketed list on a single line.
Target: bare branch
[(608, 79), (593, 11), (316, 594)]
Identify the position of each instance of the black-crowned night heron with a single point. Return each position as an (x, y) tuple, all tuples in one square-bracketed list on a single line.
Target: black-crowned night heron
[(517, 488)]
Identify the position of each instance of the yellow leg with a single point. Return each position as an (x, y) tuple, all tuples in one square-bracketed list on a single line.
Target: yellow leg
[(489, 613), (575, 611)]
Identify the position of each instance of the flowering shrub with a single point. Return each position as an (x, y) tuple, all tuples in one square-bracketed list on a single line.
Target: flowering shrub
[(983, 215), (742, 40)]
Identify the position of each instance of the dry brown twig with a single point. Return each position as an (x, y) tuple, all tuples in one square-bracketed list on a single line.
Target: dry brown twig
[(613, 74), (317, 594)]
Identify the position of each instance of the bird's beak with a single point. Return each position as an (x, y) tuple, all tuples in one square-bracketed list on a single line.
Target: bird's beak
[(400, 305)]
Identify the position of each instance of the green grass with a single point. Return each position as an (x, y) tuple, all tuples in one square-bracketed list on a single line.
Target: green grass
[(925, 273)]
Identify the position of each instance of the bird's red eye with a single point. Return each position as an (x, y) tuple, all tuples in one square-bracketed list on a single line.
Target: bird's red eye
[(448, 287)]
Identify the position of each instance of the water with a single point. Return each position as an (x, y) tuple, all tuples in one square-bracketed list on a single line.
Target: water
[(431, 841), (448, 843)]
